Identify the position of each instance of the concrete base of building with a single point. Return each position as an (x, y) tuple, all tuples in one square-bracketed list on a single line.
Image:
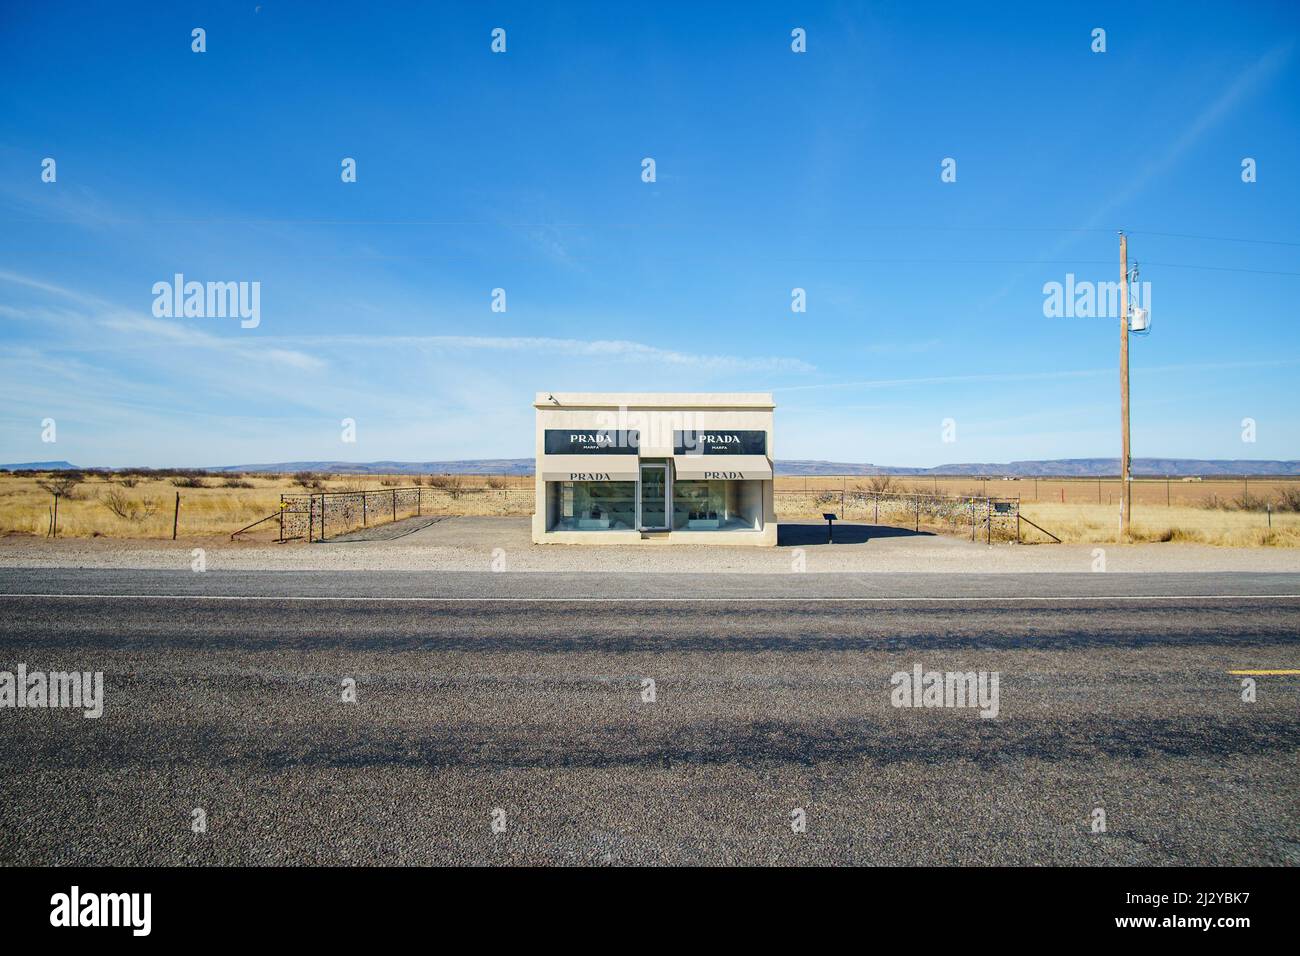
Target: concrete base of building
[(763, 538)]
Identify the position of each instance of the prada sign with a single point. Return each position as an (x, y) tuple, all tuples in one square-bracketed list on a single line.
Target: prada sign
[(717, 442), (582, 441)]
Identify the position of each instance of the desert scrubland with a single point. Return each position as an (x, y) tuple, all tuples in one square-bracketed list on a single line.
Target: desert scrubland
[(142, 505)]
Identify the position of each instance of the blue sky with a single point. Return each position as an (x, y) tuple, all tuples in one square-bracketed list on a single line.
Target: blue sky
[(522, 171)]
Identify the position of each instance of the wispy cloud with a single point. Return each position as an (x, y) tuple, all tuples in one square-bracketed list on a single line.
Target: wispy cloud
[(619, 349), (49, 288), (1245, 83), (189, 337)]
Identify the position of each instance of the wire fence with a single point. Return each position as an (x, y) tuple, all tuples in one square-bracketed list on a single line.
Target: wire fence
[(1243, 511), (993, 519), (321, 515), (1218, 491), (317, 515), (1225, 509)]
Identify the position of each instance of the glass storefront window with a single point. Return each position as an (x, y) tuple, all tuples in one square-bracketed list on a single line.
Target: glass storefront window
[(717, 505), (594, 505), (654, 496), (697, 505)]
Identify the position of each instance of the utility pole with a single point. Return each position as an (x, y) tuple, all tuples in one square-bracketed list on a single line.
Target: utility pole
[(1126, 488)]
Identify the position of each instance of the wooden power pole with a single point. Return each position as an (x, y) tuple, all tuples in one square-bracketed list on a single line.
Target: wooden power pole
[(1126, 485)]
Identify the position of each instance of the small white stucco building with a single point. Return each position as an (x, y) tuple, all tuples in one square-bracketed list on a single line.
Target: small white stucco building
[(644, 467)]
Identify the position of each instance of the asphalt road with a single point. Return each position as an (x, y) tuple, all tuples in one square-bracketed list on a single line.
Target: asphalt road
[(479, 693)]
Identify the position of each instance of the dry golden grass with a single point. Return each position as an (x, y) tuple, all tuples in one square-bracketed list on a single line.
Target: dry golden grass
[(1079, 511), (1080, 491), (1087, 524), (218, 511)]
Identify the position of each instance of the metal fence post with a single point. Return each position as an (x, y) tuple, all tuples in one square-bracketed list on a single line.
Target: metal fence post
[(394, 504), (988, 512)]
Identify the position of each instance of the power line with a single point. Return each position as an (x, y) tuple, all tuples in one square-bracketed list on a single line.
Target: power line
[(96, 221), (1184, 235), (641, 257), (1259, 272)]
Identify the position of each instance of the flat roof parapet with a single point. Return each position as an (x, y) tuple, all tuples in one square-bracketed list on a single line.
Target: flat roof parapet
[(757, 400)]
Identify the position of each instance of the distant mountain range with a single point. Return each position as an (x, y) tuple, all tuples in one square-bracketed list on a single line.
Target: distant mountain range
[(41, 466), (1061, 467), (475, 466), (1058, 468)]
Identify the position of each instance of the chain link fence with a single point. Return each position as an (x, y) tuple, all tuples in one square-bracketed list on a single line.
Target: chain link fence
[(316, 516), (321, 515)]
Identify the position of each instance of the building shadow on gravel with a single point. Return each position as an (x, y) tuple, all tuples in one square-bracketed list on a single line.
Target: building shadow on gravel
[(804, 535)]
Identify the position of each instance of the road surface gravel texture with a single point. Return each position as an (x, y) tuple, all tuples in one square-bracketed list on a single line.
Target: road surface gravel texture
[(519, 699)]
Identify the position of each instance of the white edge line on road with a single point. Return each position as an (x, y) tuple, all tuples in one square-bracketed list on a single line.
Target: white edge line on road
[(658, 600)]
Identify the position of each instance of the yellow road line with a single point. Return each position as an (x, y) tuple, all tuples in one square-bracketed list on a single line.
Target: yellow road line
[(1264, 673)]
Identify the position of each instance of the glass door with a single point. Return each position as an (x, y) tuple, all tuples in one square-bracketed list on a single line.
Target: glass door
[(654, 497)]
